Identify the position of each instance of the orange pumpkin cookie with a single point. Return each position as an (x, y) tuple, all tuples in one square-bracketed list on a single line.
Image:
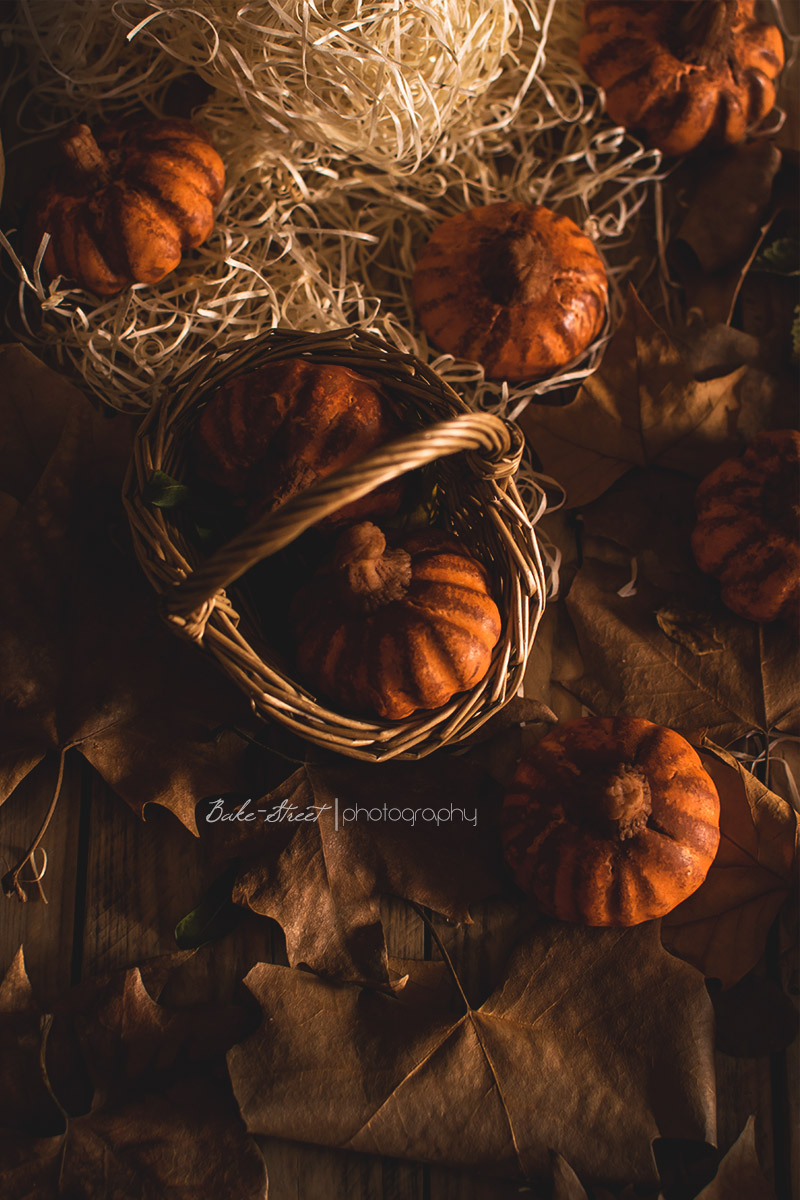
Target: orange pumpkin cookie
[(123, 206), (610, 821), (394, 630), (517, 288), (268, 434), (748, 527), (683, 74)]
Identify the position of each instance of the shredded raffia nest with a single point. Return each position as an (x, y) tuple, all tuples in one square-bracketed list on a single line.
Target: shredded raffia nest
[(377, 80), (320, 226)]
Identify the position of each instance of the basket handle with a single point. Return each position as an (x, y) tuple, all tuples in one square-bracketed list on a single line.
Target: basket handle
[(496, 446)]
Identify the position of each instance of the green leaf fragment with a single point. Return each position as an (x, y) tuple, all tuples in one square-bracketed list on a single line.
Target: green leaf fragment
[(214, 917)]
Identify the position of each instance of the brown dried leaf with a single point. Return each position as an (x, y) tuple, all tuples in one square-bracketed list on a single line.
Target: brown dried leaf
[(689, 627), (25, 1099), (641, 408), (731, 199), (594, 1043), (501, 752), (146, 1126), (739, 1176), (185, 1143), (37, 405), (722, 928), (632, 668), (322, 878), (86, 659), (649, 515), (745, 678), (566, 1185), (521, 711), (427, 984)]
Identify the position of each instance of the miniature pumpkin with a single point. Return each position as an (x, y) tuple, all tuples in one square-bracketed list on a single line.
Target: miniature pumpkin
[(517, 288), (395, 630), (125, 204), (683, 74), (748, 527), (610, 821), (268, 434)]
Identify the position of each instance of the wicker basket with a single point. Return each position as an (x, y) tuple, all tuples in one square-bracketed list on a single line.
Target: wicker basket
[(477, 498)]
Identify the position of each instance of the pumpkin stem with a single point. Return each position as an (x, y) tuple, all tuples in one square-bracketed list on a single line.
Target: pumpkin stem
[(706, 29), (516, 268), (83, 154), (626, 801), (367, 574)]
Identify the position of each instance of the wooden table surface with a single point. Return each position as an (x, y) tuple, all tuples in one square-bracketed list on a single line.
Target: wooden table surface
[(116, 886)]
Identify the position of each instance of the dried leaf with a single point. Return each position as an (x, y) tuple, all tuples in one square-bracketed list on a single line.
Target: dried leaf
[(731, 199), (746, 677), (641, 408), (510, 734), (149, 1124), (593, 1044), (185, 1143), (427, 984), (87, 661), (521, 711), (650, 515), (632, 668), (36, 407), (719, 349), (739, 1176), (689, 627), (25, 1099), (329, 840), (566, 1185), (722, 928)]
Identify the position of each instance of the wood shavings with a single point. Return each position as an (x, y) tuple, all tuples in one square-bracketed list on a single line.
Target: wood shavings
[(311, 234)]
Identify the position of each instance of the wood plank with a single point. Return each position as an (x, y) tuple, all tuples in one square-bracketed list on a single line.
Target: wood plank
[(744, 1088), (297, 1171), (45, 930), (141, 878), (787, 1152), (460, 1185)]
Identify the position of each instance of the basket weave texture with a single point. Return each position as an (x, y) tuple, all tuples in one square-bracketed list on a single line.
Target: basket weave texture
[(476, 457)]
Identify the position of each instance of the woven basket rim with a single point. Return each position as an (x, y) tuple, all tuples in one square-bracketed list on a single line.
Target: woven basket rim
[(501, 535)]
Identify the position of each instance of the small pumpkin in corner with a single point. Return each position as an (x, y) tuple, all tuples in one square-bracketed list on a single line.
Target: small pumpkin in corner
[(395, 629), (125, 203), (610, 821), (748, 528), (683, 74)]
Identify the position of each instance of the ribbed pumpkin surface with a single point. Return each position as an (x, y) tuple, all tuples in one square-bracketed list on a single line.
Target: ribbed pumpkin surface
[(748, 527), (610, 821), (408, 653), (682, 74), (268, 434), (515, 287), (127, 203)]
